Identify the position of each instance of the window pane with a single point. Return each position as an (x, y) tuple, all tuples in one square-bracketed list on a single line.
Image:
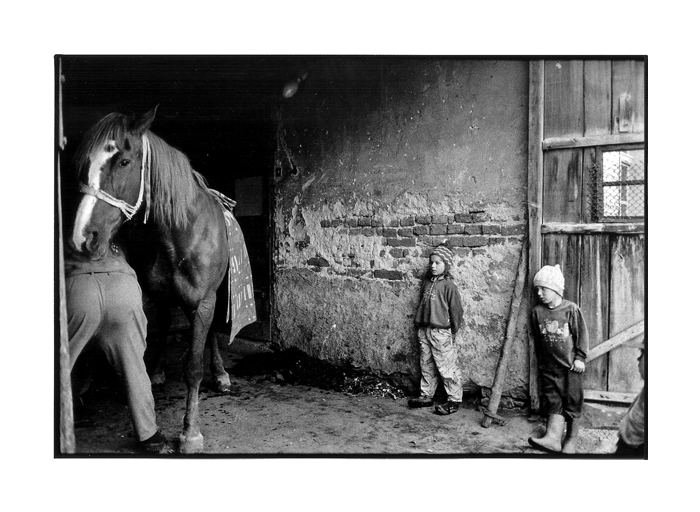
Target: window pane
[(636, 164), (611, 166), (623, 165), (635, 200), (623, 201), (611, 201)]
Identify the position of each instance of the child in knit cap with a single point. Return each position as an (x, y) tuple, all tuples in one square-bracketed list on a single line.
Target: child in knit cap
[(438, 319), (561, 338)]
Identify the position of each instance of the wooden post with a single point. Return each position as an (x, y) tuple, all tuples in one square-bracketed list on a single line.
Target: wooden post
[(66, 430), (534, 202), (491, 412)]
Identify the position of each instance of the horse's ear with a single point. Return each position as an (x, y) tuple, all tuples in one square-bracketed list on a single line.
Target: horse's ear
[(143, 123)]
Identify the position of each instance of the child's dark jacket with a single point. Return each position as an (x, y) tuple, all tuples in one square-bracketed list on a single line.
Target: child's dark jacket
[(560, 333), (440, 305)]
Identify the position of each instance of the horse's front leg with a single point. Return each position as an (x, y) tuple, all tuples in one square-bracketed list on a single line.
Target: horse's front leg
[(159, 344), (191, 439), (221, 377)]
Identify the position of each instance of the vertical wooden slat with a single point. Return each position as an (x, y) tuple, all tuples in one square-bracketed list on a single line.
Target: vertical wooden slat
[(67, 434), (588, 185), (593, 301), (597, 84), (626, 308), (562, 186), (66, 430), (563, 105), (564, 250), (628, 96), (534, 201)]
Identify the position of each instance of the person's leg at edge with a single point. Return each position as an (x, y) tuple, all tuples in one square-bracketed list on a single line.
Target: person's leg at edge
[(123, 339)]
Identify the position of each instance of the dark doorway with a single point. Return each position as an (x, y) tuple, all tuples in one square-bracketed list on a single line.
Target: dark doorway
[(217, 110)]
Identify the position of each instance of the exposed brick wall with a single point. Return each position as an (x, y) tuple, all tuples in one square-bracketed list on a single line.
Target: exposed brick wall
[(464, 232)]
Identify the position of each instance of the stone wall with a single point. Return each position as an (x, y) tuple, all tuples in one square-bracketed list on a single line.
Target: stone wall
[(377, 162)]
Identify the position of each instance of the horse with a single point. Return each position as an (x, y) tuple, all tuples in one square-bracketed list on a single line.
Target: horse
[(189, 240)]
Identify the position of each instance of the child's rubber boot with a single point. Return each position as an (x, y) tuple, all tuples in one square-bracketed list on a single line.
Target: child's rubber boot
[(551, 441), (572, 427)]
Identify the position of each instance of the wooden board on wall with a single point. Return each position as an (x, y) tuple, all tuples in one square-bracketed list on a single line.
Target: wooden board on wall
[(588, 185), (597, 84), (563, 98), (593, 301), (626, 308), (628, 96), (566, 251), (562, 186)]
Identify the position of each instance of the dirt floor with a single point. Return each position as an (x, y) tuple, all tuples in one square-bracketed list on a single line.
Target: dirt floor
[(273, 409)]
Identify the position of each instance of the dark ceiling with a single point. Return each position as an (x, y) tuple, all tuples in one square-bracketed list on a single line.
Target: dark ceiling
[(209, 88)]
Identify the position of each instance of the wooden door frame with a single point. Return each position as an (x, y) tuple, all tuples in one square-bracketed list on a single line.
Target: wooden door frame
[(535, 161), (64, 414)]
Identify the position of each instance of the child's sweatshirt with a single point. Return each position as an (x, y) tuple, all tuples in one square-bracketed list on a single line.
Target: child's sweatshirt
[(440, 305), (560, 333)]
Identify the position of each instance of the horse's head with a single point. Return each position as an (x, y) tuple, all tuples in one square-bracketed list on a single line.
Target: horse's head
[(112, 162)]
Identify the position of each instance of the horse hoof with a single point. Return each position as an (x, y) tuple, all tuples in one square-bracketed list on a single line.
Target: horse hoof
[(223, 383), (158, 379), (194, 444)]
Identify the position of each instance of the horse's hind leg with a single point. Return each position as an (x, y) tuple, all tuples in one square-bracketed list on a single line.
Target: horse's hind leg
[(191, 439), (221, 377)]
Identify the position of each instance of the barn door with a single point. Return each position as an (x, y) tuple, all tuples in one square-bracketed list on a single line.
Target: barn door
[(588, 177)]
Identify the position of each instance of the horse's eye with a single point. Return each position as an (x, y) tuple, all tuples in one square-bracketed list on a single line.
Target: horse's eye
[(124, 163)]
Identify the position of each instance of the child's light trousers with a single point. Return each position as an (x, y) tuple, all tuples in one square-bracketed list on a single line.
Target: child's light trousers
[(438, 357)]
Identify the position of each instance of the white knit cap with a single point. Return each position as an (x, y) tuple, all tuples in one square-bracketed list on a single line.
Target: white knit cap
[(550, 277)]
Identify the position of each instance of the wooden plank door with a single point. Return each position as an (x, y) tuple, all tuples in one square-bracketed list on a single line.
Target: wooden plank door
[(588, 108)]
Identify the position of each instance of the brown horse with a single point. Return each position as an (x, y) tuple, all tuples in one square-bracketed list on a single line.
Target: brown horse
[(188, 239)]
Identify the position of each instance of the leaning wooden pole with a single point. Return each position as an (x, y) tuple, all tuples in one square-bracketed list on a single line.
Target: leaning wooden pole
[(491, 412)]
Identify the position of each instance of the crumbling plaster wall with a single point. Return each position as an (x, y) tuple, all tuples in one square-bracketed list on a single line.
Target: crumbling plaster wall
[(377, 162)]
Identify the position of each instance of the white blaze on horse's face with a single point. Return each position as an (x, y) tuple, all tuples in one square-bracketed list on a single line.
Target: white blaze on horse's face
[(97, 162)]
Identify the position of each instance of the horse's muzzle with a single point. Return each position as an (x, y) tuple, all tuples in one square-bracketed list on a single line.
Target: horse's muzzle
[(91, 246)]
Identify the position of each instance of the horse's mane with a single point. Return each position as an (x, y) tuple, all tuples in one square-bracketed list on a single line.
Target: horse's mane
[(174, 183)]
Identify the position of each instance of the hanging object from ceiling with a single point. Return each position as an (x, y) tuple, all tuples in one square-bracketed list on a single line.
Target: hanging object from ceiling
[(291, 87)]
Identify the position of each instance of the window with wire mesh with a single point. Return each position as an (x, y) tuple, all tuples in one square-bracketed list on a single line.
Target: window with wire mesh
[(621, 181)]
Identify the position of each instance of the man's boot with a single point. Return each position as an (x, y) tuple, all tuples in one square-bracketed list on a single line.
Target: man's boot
[(572, 428), (551, 441)]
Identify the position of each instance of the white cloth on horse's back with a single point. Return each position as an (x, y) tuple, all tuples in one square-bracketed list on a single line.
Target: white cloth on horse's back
[(241, 299)]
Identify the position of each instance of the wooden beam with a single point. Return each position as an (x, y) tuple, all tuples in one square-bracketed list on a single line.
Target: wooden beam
[(608, 396), (534, 201), (616, 341), (598, 227), (66, 427), (594, 140)]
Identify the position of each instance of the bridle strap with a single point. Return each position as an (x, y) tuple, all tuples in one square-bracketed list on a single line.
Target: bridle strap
[(128, 210)]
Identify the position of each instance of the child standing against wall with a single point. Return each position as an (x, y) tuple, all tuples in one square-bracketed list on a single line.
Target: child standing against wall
[(438, 319), (561, 338)]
